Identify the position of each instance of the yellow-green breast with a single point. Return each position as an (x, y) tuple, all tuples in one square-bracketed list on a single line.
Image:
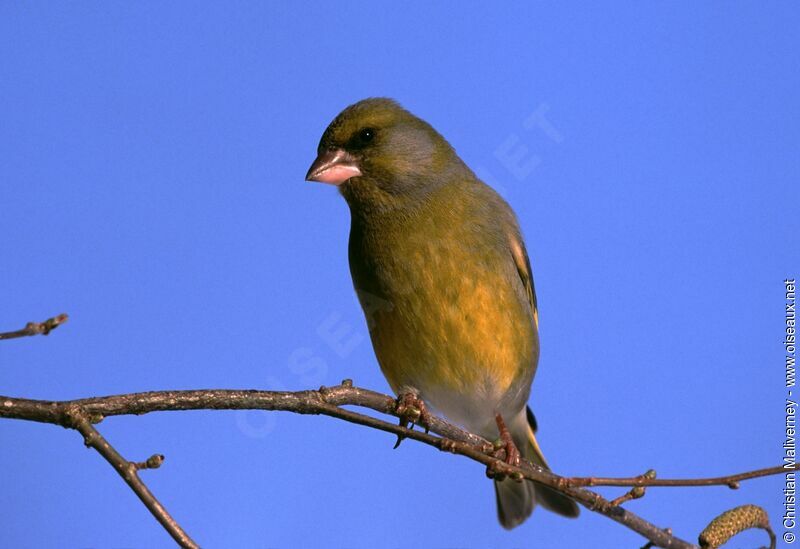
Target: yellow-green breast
[(446, 307)]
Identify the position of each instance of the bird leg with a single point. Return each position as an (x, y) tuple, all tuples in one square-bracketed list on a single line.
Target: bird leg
[(506, 444), (412, 411)]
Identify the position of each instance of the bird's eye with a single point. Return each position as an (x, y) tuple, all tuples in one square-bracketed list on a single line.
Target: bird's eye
[(361, 139), (366, 135)]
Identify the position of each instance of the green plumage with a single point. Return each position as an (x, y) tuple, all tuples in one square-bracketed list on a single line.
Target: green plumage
[(441, 271)]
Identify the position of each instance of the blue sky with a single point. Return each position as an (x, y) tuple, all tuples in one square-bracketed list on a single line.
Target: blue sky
[(152, 187)]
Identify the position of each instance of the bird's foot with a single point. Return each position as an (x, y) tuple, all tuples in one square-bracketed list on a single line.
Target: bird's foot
[(505, 449), (412, 411)]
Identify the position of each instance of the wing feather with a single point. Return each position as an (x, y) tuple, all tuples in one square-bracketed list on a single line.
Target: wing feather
[(523, 264)]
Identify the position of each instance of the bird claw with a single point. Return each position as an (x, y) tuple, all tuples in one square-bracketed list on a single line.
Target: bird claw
[(505, 449), (412, 411)]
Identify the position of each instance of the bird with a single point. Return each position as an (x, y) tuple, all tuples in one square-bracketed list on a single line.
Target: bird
[(441, 271)]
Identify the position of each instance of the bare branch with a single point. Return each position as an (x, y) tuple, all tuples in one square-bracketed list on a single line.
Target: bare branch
[(79, 421), (731, 481), (329, 401), (37, 328)]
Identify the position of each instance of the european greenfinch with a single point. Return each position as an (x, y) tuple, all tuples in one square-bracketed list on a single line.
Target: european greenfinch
[(441, 271)]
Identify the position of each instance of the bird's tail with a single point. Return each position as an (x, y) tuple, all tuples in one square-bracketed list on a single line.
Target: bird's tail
[(516, 500)]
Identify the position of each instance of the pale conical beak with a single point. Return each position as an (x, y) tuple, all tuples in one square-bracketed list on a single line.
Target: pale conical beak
[(334, 166)]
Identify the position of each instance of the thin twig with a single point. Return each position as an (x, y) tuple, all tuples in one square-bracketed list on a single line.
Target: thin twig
[(635, 493), (328, 401), (731, 481), (78, 420), (37, 328)]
